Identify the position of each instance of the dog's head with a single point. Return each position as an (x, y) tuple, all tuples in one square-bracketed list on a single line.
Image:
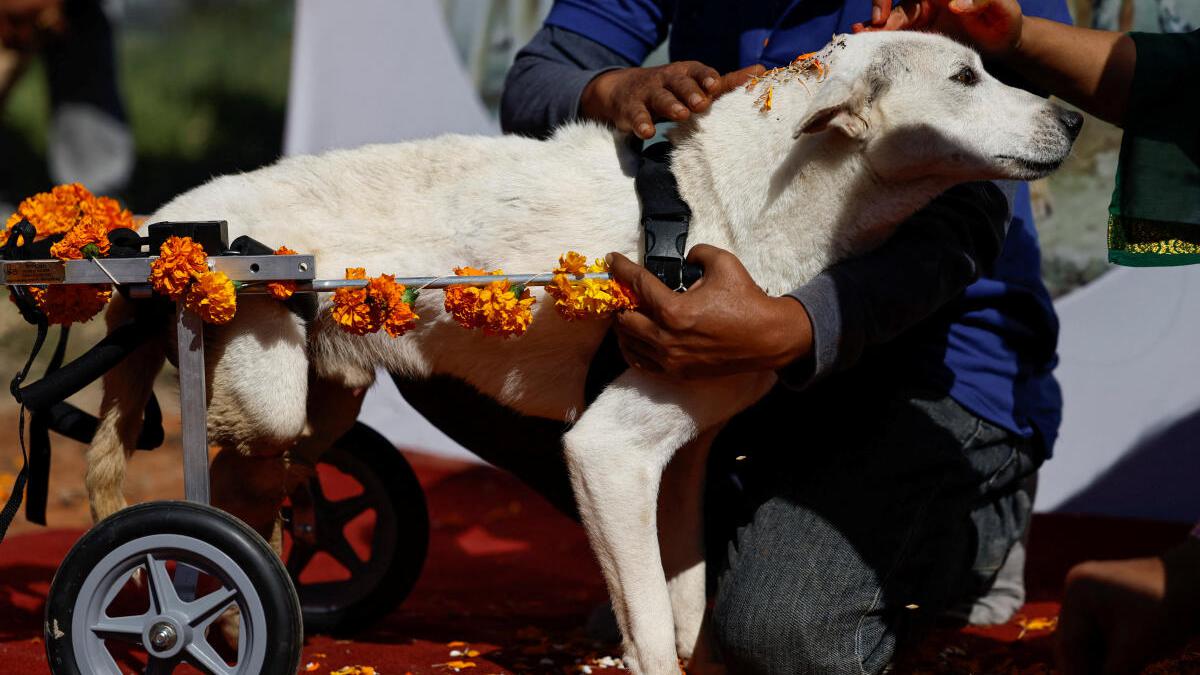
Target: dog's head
[(922, 105)]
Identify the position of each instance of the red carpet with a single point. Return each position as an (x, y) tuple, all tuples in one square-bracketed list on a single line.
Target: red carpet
[(514, 580)]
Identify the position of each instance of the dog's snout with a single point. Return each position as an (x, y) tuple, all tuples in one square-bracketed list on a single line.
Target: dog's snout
[(1071, 121)]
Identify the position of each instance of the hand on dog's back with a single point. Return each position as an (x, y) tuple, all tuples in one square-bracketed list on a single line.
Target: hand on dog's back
[(631, 99)]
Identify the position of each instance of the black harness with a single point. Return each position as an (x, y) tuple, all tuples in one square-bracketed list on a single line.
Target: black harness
[(665, 219)]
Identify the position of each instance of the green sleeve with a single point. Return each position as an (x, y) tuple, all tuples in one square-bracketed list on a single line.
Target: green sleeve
[(1154, 218)]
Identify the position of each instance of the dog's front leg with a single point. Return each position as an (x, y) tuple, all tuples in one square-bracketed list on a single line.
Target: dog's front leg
[(616, 454), (681, 539)]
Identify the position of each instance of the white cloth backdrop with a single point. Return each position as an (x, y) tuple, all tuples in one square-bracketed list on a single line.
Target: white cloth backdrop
[(1130, 372), (384, 71)]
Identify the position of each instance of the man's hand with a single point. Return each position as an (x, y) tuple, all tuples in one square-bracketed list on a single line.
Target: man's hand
[(724, 325), (992, 26), (632, 98)]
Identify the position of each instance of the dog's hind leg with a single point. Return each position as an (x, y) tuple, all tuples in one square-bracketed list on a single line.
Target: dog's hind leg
[(681, 539), (616, 454), (258, 375), (127, 388)]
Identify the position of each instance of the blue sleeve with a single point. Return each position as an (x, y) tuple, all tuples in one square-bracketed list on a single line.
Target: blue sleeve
[(1055, 10), (547, 79), (872, 299), (631, 28)]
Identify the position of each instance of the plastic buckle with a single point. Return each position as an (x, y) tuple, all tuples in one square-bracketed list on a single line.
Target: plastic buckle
[(665, 239)]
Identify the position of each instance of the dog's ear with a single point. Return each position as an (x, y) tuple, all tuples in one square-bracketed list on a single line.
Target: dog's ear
[(840, 106)]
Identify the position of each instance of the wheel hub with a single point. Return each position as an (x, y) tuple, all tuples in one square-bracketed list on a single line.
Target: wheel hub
[(164, 636)]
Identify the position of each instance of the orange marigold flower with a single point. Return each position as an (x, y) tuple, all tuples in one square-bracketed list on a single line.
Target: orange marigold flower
[(389, 297), (213, 296), (75, 244), (382, 303), (180, 260), (282, 290), (108, 213), (462, 301), (53, 212), (588, 298), (350, 308), (499, 308), (71, 303), (572, 263)]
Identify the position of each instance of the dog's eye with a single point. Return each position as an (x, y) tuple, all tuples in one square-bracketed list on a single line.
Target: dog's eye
[(967, 76)]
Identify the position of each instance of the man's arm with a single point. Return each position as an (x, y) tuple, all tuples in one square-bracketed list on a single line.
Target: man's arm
[(726, 325), (873, 299), (547, 79)]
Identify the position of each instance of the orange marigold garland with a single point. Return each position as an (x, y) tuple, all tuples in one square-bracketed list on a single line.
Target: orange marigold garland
[(180, 260), (282, 290), (382, 303), (213, 296), (578, 298), (499, 308)]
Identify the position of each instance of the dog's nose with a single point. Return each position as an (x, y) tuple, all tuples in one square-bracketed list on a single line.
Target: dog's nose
[(1071, 121)]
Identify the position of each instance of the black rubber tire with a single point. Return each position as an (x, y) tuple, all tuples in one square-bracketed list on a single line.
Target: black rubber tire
[(233, 537), (389, 483)]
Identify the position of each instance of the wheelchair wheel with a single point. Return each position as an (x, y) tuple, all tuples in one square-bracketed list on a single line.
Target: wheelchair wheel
[(163, 584), (356, 535)]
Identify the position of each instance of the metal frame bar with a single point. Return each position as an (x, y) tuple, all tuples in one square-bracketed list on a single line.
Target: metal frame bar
[(193, 405)]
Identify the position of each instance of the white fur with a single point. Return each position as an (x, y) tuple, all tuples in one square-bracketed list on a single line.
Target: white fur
[(826, 173)]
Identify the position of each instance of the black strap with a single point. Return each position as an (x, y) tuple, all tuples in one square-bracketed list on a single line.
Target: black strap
[(18, 488), (665, 219), (38, 490)]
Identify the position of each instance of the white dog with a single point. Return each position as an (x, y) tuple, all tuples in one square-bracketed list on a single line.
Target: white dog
[(826, 171)]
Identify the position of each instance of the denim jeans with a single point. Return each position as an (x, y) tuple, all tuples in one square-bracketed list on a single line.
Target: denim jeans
[(853, 514)]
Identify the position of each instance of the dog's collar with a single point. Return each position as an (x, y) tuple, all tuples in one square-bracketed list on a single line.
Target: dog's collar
[(665, 219)]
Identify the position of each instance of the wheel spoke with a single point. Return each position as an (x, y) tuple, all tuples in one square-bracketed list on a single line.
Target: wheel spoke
[(124, 628), (347, 509), (162, 590), (117, 587), (299, 557), (158, 666), (204, 657), (343, 552), (208, 606), (318, 493)]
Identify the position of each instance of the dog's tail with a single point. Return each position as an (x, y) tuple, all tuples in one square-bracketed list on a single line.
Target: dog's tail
[(127, 388)]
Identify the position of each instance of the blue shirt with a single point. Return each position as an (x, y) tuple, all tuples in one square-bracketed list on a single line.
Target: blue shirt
[(993, 349)]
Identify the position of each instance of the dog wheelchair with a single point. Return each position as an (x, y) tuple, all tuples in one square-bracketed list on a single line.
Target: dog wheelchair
[(152, 581)]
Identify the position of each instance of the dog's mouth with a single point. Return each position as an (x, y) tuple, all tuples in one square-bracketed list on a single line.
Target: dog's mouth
[(1031, 168)]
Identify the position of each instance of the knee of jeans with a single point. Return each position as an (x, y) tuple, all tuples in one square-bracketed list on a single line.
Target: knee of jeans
[(767, 633)]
